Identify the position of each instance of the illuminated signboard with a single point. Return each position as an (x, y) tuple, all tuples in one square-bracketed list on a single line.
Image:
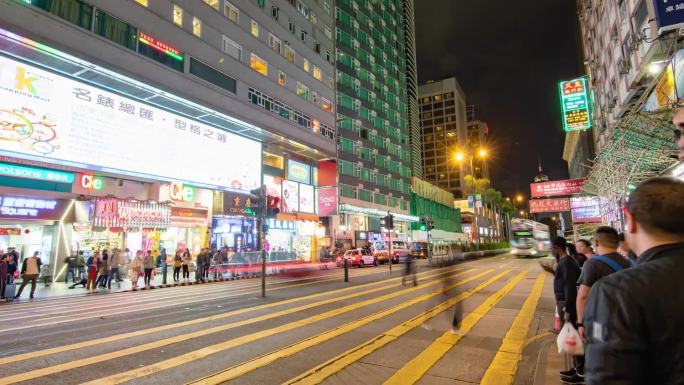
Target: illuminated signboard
[(549, 205), (586, 210), (161, 46), (290, 201), (298, 172), (92, 182), (29, 208), (575, 105), (669, 14), (55, 119), (24, 172), (556, 188), (307, 204)]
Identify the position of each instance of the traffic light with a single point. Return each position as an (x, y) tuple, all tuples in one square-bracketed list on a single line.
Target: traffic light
[(423, 224), (389, 222), (272, 207)]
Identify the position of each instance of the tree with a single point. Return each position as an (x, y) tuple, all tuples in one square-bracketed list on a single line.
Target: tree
[(480, 185)]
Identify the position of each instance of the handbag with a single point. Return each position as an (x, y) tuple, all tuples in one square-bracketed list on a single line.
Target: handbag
[(569, 341)]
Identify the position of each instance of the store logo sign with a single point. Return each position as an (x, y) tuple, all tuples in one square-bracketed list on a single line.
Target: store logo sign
[(298, 172), (24, 172), (179, 192), (25, 82), (92, 182), (25, 207)]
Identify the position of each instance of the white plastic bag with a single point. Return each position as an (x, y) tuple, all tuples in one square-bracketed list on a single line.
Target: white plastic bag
[(569, 341)]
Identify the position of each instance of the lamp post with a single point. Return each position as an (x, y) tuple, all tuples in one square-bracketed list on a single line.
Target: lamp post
[(482, 153)]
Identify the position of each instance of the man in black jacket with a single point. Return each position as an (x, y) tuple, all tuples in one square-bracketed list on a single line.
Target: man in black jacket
[(634, 319)]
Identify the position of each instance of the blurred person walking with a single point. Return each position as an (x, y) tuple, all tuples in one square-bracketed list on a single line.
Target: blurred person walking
[(634, 318), (30, 269), (103, 271), (3, 272), (135, 268), (148, 265), (93, 263), (409, 270), (115, 262)]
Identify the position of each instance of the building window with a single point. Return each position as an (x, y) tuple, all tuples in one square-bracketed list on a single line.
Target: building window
[(275, 12), (303, 9), (327, 8), (302, 35), (303, 91), (326, 105), (327, 56), (317, 73), (282, 78), (212, 75), (255, 28), (328, 32), (314, 98), (306, 65), (142, 2), (177, 15), (232, 13), (274, 42), (275, 161), (115, 30), (261, 3), (213, 3), (437, 98), (259, 65), (291, 27), (289, 54), (197, 27), (232, 48)]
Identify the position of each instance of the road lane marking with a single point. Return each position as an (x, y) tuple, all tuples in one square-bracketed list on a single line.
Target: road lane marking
[(258, 362), (415, 369), (504, 366), (538, 337), (200, 333), (118, 337), (421, 363), (232, 343)]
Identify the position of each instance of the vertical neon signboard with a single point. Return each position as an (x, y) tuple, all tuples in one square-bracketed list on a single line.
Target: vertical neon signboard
[(575, 105)]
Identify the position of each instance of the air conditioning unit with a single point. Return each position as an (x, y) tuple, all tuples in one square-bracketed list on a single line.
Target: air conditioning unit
[(624, 66)]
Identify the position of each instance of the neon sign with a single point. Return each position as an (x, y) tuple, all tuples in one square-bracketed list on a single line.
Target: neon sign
[(575, 105), (92, 182), (159, 45), (25, 207), (178, 192), (16, 171)]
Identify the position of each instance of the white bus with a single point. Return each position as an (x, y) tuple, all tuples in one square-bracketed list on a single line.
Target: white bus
[(529, 238)]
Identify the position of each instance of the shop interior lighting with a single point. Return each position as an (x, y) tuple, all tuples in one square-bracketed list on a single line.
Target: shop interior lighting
[(61, 234)]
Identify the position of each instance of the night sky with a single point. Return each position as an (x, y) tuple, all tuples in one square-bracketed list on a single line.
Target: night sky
[(508, 56)]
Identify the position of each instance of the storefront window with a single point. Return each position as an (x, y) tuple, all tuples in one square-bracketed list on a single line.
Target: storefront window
[(275, 161)]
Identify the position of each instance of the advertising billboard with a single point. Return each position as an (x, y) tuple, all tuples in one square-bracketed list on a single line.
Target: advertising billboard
[(274, 186), (586, 210), (327, 201), (298, 172), (18, 207), (52, 118), (290, 201), (306, 198), (556, 188), (575, 105), (669, 14), (549, 205)]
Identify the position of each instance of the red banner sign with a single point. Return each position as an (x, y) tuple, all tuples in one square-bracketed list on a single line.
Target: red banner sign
[(327, 201), (549, 205), (556, 188)]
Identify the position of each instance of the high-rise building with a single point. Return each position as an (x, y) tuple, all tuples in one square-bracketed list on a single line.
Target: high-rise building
[(412, 89), (162, 114), (477, 133), (374, 145), (443, 131)]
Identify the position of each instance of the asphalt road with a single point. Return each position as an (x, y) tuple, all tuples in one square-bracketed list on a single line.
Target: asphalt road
[(309, 330)]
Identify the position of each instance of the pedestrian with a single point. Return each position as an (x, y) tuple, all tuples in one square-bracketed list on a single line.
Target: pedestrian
[(135, 269), (115, 262), (208, 257), (583, 247), (177, 263), (12, 263), (103, 270), (199, 260), (572, 251), (409, 269), (71, 268), (93, 263), (634, 318), (625, 250), (30, 269), (566, 274), (679, 128), (596, 268), (148, 265), (187, 260), (81, 265), (3, 272)]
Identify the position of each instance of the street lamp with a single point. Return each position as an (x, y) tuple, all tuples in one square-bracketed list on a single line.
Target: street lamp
[(459, 156)]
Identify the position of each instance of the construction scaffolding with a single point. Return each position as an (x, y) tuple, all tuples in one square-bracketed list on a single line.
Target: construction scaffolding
[(640, 146)]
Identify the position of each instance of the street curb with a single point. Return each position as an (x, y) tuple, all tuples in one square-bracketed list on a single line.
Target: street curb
[(190, 283)]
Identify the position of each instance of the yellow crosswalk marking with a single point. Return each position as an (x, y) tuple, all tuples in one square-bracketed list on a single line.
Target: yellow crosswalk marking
[(119, 337), (413, 371), (248, 366), (503, 368), (216, 348), (336, 364)]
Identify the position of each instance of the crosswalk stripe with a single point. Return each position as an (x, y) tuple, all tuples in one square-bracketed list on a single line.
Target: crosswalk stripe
[(504, 366), (216, 348), (250, 365), (187, 336), (321, 372), (415, 369)]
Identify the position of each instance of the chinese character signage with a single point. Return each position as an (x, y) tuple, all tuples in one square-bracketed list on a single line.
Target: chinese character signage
[(27, 172), (586, 210), (108, 212), (669, 14), (238, 204), (549, 205), (556, 188), (15, 207), (575, 105), (50, 118), (327, 201)]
